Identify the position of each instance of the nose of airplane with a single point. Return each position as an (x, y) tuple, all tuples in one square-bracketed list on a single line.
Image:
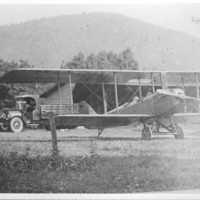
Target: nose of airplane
[(168, 105)]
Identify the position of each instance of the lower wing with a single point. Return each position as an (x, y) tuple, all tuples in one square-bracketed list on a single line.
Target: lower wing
[(186, 118), (97, 121)]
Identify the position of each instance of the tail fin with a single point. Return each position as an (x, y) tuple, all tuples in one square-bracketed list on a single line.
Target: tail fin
[(85, 108)]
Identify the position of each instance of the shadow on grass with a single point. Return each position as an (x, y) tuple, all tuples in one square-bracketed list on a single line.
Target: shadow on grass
[(79, 139), (101, 138)]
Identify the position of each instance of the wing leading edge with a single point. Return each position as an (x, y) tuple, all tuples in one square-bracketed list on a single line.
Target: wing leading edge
[(86, 76)]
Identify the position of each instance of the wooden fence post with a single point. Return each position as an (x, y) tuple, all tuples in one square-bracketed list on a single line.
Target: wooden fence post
[(53, 136)]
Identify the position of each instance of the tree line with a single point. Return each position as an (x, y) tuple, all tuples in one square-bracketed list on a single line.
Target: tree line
[(104, 60)]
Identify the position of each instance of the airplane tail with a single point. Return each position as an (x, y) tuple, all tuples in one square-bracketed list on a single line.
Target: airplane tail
[(85, 108)]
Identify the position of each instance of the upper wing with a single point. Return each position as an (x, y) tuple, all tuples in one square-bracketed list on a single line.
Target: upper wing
[(87, 76), (107, 120), (180, 78)]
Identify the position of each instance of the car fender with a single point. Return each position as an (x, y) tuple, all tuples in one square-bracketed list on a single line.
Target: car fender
[(12, 114)]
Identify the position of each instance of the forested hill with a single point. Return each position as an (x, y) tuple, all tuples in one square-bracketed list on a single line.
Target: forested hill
[(48, 41)]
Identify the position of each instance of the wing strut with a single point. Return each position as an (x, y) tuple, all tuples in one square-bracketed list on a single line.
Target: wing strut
[(197, 85), (182, 80), (104, 98), (140, 89), (60, 101), (70, 92), (116, 93), (152, 81), (163, 79)]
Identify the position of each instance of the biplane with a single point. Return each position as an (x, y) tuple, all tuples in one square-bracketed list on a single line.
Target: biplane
[(165, 105)]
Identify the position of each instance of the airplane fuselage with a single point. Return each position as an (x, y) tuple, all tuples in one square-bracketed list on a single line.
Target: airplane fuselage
[(153, 105)]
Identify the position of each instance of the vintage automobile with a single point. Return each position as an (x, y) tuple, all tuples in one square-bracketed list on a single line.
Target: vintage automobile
[(25, 113), (32, 112)]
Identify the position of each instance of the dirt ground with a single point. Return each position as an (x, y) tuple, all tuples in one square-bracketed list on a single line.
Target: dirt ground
[(161, 164)]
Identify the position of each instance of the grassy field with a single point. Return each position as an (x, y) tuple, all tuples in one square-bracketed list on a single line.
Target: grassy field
[(117, 162)]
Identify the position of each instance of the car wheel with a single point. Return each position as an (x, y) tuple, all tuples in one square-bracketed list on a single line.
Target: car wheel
[(16, 124), (4, 127)]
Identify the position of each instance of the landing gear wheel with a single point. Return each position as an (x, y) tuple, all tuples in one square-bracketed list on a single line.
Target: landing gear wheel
[(4, 127), (146, 133), (179, 132), (16, 125)]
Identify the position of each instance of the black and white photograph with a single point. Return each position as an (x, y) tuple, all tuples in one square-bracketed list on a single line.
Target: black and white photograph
[(100, 98)]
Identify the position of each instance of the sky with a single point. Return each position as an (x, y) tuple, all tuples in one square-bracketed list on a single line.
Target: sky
[(177, 16)]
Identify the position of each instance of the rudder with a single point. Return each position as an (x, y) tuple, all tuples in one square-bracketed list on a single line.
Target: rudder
[(85, 108)]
